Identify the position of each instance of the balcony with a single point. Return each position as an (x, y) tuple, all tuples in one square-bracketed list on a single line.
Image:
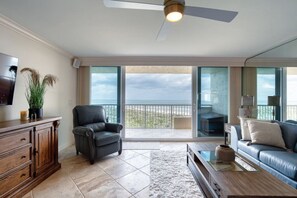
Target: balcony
[(170, 120)]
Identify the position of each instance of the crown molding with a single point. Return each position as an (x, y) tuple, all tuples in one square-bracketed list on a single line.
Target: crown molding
[(12, 25), (162, 61), (271, 62)]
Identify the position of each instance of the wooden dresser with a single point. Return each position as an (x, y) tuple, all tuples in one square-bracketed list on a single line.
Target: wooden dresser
[(28, 154)]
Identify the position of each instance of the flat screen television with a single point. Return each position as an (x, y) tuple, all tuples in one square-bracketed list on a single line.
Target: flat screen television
[(8, 73)]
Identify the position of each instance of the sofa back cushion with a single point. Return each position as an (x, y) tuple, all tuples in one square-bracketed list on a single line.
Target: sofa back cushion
[(289, 132), (245, 132), (266, 133)]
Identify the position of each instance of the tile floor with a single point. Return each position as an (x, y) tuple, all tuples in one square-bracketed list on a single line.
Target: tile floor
[(159, 133), (127, 175)]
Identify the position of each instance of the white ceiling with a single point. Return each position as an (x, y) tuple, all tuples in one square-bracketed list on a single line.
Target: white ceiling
[(86, 28)]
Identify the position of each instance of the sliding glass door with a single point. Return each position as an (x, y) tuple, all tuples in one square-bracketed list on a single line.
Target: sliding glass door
[(106, 89), (212, 101), (291, 100), (158, 102)]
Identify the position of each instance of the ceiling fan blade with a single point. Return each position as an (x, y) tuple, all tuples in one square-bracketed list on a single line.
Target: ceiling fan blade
[(210, 13), (132, 5), (164, 30)]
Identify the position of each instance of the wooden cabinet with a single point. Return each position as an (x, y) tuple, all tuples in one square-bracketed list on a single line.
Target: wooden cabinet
[(44, 147), (28, 154)]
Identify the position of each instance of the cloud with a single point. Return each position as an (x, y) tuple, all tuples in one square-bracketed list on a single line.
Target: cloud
[(158, 87)]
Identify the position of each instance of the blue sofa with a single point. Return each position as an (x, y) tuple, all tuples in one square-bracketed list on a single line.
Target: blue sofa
[(280, 162)]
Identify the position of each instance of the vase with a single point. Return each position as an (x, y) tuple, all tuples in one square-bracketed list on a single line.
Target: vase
[(35, 113), (224, 153)]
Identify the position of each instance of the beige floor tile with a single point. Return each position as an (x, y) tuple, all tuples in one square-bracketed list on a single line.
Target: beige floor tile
[(127, 154), (109, 161), (146, 169), (107, 190), (28, 195), (143, 151), (83, 169), (145, 193), (147, 154), (139, 161), (88, 183), (134, 182), (171, 148), (67, 153), (57, 185), (73, 161), (120, 171)]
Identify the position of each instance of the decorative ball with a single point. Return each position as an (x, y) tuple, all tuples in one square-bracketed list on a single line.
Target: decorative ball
[(224, 153)]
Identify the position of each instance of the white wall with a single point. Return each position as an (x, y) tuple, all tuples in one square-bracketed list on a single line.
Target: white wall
[(59, 100)]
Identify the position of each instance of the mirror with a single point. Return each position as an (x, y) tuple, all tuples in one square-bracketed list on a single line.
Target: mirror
[(283, 55)]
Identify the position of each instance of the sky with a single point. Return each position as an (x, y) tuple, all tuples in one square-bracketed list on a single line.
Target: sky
[(145, 87), (172, 88), (159, 87)]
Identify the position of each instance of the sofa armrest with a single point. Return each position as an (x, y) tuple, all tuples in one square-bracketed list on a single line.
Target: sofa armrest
[(113, 127), (84, 131), (235, 136)]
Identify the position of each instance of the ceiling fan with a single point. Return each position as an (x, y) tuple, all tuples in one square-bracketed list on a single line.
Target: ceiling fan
[(174, 11)]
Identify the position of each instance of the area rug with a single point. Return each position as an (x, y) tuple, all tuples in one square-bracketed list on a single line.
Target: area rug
[(141, 145), (170, 176)]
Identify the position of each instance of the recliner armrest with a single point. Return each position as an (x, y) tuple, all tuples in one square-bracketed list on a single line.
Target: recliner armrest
[(235, 136), (114, 127), (84, 131)]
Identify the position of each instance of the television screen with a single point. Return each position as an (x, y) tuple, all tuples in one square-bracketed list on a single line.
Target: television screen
[(8, 73)]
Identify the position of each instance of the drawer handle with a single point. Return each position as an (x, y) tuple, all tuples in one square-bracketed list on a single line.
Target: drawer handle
[(217, 186), (23, 175), (23, 139), (23, 157)]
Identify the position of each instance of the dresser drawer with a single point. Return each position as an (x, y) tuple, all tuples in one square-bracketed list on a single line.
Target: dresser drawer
[(14, 180), (15, 140), (15, 159)]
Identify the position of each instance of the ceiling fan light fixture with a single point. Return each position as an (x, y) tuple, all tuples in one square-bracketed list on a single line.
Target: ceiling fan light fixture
[(174, 12)]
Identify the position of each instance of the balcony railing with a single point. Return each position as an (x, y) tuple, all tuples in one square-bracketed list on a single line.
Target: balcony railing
[(149, 116), (159, 116)]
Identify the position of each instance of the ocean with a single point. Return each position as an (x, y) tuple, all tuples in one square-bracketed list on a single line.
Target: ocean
[(182, 102)]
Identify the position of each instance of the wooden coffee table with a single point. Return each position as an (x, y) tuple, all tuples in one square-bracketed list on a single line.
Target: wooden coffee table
[(240, 179)]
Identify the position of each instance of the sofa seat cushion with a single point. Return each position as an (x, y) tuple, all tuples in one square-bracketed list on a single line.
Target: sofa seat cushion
[(282, 161), (254, 149), (105, 138)]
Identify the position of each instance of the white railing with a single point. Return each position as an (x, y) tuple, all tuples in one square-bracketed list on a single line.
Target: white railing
[(160, 116), (151, 116)]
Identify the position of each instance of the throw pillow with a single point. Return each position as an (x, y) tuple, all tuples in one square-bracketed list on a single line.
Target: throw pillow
[(245, 133), (266, 133)]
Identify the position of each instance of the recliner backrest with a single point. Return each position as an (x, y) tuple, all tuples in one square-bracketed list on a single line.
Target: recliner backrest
[(88, 114)]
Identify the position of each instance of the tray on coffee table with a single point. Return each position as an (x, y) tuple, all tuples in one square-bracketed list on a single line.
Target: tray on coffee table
[(239, 164)]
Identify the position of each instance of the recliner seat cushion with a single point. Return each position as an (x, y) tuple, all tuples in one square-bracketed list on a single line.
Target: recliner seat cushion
[(282, 161), (254, 149), (105, 138)]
